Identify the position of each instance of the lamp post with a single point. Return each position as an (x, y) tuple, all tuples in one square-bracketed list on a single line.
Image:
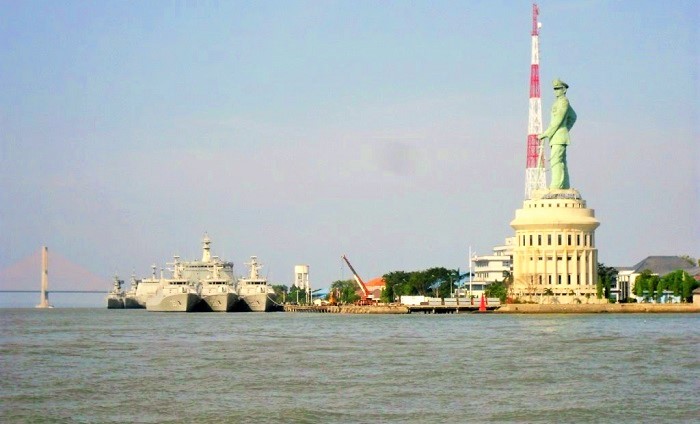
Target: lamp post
[(470, 271)]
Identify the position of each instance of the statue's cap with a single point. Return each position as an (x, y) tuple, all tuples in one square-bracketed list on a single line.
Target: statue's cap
[(559, 83)]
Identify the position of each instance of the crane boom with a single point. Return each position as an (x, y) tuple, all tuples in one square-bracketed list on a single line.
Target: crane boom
[(365, 292)]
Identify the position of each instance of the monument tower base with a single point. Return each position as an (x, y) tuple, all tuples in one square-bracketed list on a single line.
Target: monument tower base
[(555, 259)]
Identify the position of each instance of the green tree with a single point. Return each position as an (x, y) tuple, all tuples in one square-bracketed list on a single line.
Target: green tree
[(645, 284), (280, 291), (673, 281), (297, 295), (498, 289), (641, 283), (419, 283), (347, 290), (688, 285), (606, 276), (443, 278), (396, 284), (387, 295)]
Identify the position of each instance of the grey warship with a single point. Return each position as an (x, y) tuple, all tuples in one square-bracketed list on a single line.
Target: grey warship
[(257, 294)]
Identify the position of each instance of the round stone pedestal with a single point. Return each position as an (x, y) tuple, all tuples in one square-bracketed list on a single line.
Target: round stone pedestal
[(555, 259)]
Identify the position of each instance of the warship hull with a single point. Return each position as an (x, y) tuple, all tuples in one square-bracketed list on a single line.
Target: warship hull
[(259, 302), (132, 303), (115, 303), (180, 302), (220, 302)]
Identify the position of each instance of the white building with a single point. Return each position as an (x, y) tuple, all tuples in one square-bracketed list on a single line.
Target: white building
[(496, 266), (488, 269)]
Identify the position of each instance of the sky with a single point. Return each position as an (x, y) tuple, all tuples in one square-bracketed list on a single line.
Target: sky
[(393, 132)]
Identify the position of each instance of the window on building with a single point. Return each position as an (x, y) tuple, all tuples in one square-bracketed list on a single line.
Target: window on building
[(578, 239), (587, 240), (539, 240), (549, 239), (568, 279), (540, 279), (549, 279), (558, 279), (569, 239), (559, 239), (530, 239)]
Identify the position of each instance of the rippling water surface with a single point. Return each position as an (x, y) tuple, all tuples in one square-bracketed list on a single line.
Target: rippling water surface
[(99, 365)]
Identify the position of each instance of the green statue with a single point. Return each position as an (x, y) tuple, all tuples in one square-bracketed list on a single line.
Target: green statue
[(563, 118)]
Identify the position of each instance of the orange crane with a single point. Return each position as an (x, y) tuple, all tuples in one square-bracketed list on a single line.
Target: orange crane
[(366, 297)]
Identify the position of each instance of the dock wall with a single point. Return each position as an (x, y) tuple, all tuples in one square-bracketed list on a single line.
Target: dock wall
[(519, 308), (349, 309), (599, 308)]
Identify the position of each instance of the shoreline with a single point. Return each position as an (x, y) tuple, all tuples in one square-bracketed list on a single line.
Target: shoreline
[(525, 308), (514, 308)]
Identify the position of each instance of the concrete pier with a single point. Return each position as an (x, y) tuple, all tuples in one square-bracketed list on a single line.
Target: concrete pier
[(349, 309), (387, 309)]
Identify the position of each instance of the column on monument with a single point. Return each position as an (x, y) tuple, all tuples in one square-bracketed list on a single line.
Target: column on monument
[(581, 266), (532, 266), (589, 266), (572, 266), (567, 272), (545, 269), (555, 265)]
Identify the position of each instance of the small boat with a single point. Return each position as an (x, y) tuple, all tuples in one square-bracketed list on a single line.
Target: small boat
[(115, 298), (257, 294)]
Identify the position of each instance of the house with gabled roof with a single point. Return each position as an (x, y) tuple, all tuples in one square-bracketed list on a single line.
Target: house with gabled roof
[(621, 289)]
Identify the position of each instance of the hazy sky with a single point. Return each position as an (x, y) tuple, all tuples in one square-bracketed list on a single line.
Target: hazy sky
[(298, 131)]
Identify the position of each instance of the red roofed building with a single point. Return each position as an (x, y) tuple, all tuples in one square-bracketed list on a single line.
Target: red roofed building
[(375, 287)]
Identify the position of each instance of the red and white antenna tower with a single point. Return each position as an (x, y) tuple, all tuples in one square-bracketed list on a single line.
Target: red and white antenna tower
[(535, 178)]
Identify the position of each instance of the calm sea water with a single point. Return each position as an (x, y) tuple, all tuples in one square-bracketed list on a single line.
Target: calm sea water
[(88, 365)]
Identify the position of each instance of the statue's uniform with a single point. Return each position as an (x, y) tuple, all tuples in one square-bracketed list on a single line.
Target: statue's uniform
[(563, 118)]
